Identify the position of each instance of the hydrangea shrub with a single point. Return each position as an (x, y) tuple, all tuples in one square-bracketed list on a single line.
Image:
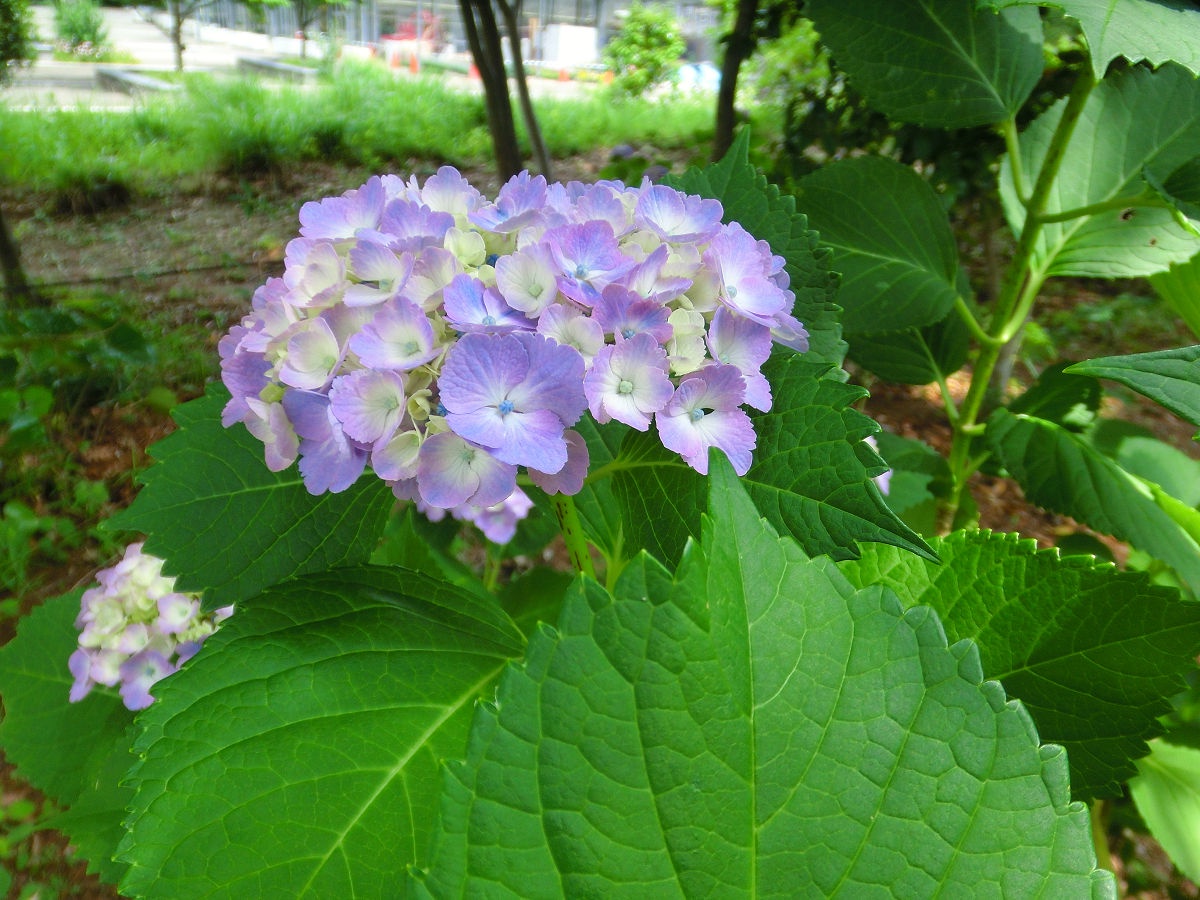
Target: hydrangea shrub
[(755, 679)]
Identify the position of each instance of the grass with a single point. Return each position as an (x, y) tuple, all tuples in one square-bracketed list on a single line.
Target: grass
[(363, 117)]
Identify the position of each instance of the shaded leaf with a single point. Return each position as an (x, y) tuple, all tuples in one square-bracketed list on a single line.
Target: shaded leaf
[(724, 734), (915, 356), (891, 241), (1063, 473), (1093, 653), (771, 216), (920, 475), (1168, 377), (1167, 794), (1157, 31), (1133, 122), (1069, 400), (74, 753), (1138, 451), (934, 62), (229, 526), (1179, 287), (322, 708)]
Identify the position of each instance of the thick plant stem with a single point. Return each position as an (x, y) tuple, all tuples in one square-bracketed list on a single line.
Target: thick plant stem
[(1099, 837), (572, 532), (1021, 286)]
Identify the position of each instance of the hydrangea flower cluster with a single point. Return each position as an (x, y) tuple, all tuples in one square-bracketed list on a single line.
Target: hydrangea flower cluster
[(449, 341), (135, 628)]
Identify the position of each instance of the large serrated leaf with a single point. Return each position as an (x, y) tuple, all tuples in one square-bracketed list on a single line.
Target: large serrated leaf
[(323, 708), (75, 753), (1062, 472), (1133, 122), (770, 216), (723, 733), (229, 526), (1169, 377), (891, 242), (1093, 653), (934, 62), (811, 474), (1157, 31)]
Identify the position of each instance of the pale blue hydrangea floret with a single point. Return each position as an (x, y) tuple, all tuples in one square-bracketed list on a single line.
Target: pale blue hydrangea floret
[(135, 628), (449, 342)]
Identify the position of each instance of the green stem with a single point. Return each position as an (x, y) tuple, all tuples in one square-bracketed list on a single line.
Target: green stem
[(1100, 836), (1013, 145), (973, 326), (572, 532), (1103, 206), (1021, 284)]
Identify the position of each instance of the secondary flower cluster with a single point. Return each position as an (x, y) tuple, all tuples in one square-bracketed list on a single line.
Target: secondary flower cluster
[(135, 629), (448, 341)]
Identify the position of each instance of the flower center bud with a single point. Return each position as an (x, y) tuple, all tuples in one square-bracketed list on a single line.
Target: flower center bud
[(625, 387), (696, 414), (730, 291), (505, 407)]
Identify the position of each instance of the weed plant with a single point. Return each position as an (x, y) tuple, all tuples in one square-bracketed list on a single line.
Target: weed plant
[(363, 117)]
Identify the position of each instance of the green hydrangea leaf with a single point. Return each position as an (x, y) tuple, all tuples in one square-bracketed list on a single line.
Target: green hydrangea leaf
[(1156, 31), (1179, 288), (934, 62), (1068, 399), (74, 753), (811, 474), (1133, 122), (915, 355), (1093, 653), (891, 242), (771, 216), (229, 526), (297, 754), (1061, 472), (721, 733), (1167, 794), (1168, 377)]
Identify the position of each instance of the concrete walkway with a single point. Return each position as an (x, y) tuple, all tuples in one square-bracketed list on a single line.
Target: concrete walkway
[(48, 84)]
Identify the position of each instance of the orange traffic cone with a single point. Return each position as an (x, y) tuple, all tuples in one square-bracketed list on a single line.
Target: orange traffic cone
[(563, 75), (473, 73), (414, 64)]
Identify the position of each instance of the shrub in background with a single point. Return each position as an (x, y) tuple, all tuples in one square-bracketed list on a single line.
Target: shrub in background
[(644, 51)]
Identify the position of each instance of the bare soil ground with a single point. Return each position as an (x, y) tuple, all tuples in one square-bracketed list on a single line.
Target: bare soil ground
[(194, 256)]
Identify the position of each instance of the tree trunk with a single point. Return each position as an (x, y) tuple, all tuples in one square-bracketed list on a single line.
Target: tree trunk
[(512, 13), (483, 37), (739, 44), (16, 285), (177, 33)]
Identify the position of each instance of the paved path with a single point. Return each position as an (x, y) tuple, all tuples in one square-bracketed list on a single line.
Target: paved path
[(69, 84), (49, 84)]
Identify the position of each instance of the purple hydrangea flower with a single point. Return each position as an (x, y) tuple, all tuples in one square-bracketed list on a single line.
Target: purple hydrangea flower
[(588, 258), (628, 382), (514, 394), (369, 404), (340, 218), (453, 472), (399, 336), (135, 629), (446, 340), (706, 412), (329, 459), (518, 205), (471, 306), (675, 217)]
